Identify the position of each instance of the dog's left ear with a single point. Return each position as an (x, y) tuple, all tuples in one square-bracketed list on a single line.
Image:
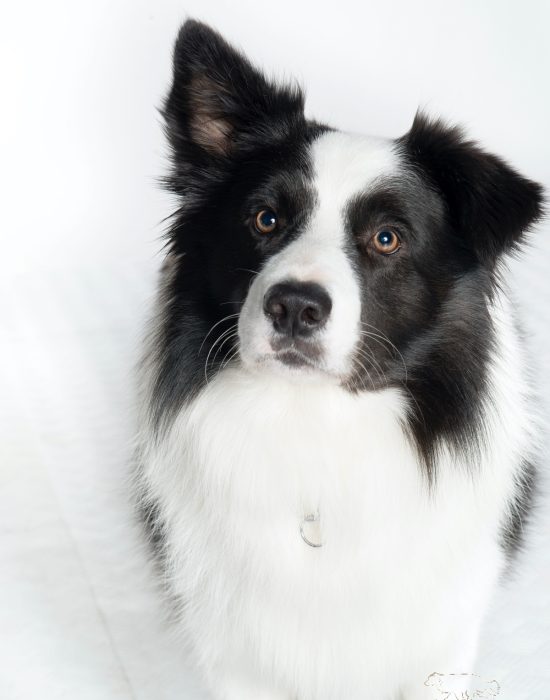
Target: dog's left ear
[(489, 204), (220, 105)]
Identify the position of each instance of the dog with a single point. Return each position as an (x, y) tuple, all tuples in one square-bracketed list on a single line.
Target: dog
[(336, 442)]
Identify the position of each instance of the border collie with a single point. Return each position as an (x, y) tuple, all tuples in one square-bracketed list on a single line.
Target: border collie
[(336, 444)]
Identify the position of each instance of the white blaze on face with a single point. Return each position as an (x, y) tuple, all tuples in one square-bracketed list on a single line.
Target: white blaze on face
[(344, 165)]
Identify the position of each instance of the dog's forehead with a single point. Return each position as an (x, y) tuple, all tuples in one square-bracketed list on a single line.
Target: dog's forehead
[(345, 165)]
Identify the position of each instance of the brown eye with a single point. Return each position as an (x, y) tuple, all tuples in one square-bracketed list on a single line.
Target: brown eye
[(386, 241), (265, 221)]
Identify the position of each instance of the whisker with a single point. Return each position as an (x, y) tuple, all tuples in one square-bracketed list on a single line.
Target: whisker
[(356, 375), (366, 370), (383, 342), (245, 269), (229, 355), (373, 363), (235, 334), (226, 332), (385, 339), (227, 359), (365, 387), (226, 318), (222, 335), (382, 336), (371, 356)]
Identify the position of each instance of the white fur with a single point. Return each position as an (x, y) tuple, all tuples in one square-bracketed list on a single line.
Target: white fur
[(400, 586)]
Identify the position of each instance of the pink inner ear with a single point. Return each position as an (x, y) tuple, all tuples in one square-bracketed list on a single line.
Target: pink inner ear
[(208, 128), (212, 134)]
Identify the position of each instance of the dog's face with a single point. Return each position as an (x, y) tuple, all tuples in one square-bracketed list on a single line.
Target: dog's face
[(354, 268), (362, 261)]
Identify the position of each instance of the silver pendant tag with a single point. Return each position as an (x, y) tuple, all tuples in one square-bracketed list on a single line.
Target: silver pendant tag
[(310, 530)]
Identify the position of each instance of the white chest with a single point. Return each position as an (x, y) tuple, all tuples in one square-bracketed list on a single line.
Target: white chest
[(251, 458)]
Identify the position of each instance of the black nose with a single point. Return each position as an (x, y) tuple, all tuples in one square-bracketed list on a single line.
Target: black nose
[(297, 309)]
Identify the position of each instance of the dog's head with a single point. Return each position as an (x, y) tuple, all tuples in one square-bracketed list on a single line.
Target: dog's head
[(339, 257)]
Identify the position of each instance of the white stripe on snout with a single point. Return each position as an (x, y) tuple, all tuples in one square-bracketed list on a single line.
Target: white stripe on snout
[(344, 165)]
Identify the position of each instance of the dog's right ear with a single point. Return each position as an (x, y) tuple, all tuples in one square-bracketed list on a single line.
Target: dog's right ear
[(219, 105), (489, 204)]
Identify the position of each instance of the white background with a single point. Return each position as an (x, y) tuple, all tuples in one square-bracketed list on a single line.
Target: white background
[(81, 148)]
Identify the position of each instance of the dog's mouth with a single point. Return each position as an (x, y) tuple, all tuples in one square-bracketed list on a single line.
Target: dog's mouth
[(305, 359), (292, 357), (297, 353)]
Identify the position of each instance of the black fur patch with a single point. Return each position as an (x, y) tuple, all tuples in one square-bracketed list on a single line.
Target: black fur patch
[(520, 509), (149, 516)]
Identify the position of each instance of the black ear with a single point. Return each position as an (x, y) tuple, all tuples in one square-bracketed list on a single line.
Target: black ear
[(219, 105), (489, 204)]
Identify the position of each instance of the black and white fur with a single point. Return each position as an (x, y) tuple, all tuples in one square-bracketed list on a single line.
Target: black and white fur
[(404, 420)]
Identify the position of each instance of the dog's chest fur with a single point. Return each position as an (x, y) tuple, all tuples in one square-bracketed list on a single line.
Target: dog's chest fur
[(403, 567)]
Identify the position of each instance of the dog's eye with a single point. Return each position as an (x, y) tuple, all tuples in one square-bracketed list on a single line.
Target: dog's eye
[(386, 241), (265, 221)]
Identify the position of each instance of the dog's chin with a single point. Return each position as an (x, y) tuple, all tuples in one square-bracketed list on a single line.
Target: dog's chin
[(295, 359), (295, 365)]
